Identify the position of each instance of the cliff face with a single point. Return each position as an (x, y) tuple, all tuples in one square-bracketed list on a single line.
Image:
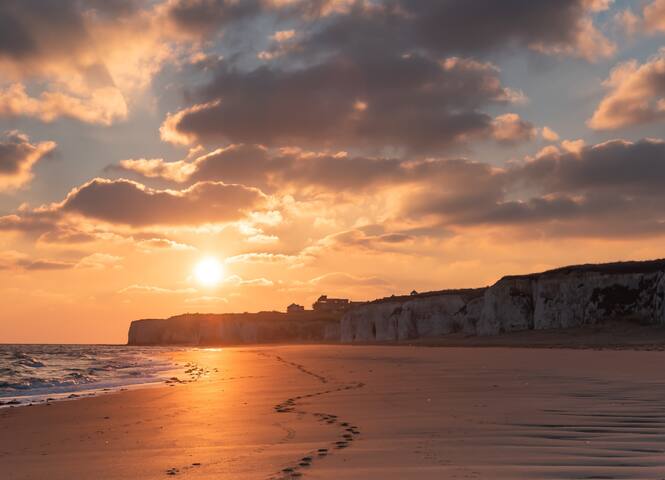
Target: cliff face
[(567, 297), (234, 329), (405, 318), (576, 296)]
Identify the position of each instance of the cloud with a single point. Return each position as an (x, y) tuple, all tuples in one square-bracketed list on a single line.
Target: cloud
[(151, 289), (206, 16), (405, 101), (29, 221), (12, 260), (371, 237), (153, 244), (345, 279), (98, 209), (586, 42), (605, 188), (509, 129), (52, 42), (283, 35), (573, 146), (386, 75), (302, 170), (103, 105), (131, 203), (17, 158), (628, 22), (99, 261), (651, 20), (55, 234), (170, 131), (85, 60), (608, 189), (157, 168), (277, 168), (262, 257), (206, 300), (375, 75), (636, 95), (236, 280), (564, 27), (548, 134), (654, 16)]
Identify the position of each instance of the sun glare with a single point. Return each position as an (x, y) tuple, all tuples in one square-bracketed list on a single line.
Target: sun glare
[(209, 272)]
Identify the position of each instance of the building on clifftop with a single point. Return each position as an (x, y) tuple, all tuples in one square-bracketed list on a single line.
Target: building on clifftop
[(325, 304), (295, 308)]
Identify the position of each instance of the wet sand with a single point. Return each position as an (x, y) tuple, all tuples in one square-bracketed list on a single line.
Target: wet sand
[(360, 412)]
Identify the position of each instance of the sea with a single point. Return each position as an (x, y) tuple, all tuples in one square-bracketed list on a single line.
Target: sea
[(39, 373)]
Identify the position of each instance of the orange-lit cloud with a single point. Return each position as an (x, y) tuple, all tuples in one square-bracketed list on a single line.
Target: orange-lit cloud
[(654, 16), (123, 203), (17, 158), (131, 203), (12, 260), (102, 105), (510, 128), (636, 95), (86, 60)]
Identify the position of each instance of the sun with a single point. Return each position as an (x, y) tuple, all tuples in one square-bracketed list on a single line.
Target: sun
[(209, 272)]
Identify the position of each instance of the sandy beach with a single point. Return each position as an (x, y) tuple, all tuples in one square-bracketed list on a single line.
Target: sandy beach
[(360, 412)]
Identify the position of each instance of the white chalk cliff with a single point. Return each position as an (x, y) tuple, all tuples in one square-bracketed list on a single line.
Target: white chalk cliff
[(566, 297)]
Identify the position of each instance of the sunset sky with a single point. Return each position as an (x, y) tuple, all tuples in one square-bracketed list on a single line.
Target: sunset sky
[(353, 148)]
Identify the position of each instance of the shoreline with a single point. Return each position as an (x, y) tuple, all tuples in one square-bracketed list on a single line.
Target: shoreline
[(170, 371), (632, 337), (610, 336), (399, 412)]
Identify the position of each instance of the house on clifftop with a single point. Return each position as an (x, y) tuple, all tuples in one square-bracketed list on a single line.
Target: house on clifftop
[(325, 304), (295, 308)]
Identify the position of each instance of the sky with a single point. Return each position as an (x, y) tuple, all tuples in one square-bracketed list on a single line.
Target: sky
[(355, 148)]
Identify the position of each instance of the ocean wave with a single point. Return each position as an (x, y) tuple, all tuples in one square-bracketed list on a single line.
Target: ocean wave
[(23, 360), (48, 369)]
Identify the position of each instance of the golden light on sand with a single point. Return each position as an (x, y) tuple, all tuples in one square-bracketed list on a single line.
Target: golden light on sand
[(209, 272)]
